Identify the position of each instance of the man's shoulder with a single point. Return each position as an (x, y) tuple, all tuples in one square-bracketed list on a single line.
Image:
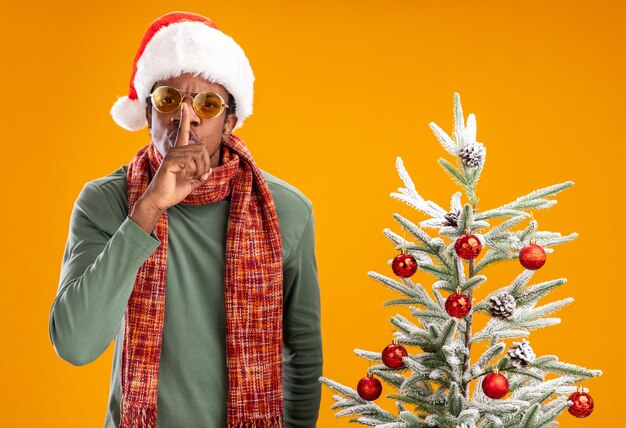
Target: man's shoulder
[(287, 196), (116, 179), (294, 211), (103, 194)]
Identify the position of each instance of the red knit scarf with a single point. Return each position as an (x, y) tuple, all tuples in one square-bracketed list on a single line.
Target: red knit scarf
[(253, 286)]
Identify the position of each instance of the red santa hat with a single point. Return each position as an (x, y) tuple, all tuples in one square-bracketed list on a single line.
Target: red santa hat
[(183, 42)]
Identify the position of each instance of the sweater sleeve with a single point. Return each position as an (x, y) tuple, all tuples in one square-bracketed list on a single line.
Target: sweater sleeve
[(302, 348), (98, 274)]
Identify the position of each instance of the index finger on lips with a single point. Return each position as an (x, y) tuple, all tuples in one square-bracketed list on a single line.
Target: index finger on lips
[(207, 158), (182, 139)]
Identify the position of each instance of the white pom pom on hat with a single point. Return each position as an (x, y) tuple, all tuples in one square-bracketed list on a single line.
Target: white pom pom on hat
[(184, 42)]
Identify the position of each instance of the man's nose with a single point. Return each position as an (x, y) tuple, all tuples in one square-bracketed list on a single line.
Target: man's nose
[(194, 119)]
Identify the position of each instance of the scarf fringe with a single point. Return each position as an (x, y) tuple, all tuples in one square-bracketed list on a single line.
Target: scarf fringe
[(271, 422), (139, 417)]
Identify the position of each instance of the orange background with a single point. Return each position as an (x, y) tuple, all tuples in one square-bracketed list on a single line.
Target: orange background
[(342, 89)]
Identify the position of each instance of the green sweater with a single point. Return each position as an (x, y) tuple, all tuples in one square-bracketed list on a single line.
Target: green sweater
[(104, 251)]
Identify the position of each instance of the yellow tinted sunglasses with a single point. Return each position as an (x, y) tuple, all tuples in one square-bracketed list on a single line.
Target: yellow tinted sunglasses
[(207, 105)]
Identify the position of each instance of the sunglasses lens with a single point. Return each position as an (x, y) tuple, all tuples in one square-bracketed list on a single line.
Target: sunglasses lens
[(207, 104), (166, 99)]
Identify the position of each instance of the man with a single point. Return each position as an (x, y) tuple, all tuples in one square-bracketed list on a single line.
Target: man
[(197, 263)]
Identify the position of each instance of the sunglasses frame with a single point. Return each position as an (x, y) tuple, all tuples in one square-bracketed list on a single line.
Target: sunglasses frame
[(193, 95)]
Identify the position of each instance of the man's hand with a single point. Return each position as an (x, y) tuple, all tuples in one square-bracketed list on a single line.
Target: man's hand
[(184, 167)]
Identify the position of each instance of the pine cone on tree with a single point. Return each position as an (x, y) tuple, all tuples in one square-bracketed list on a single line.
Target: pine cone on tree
[(451, 219), (473, 154), (502, 305), (521, 354)]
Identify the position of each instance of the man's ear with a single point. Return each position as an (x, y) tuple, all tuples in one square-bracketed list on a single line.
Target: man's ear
[(229, 124), (149, 115)]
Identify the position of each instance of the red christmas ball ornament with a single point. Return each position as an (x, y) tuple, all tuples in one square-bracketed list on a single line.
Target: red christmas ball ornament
[(495, 385), (468, 246), (532, 256), (583, 404), (458, 305), (392, 355), (369, 388), (404, 265)]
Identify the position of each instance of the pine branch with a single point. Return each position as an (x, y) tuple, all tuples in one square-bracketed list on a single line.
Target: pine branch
[(429, 315), (405, 326), (520, 324), (446, 334), (523, 315), (411, 197), (496, 330), (551, 414), (495, 407), (473, 174), (415, 292), (490, 354), (368, 355), (551, 239), (467, 179), (463, 135), (433, 246), (456, 175), (531, 418), (422, 379), (500, 228), (355, 404), (438, 272), (410, 420), (366, 421), (533, 294), (459, 122), (472, 283), (468, 417), (456, 402), (535, 199), (526, 234), (520, 281), (446, 142), (396, 425), (495, 213), (422, 403), (536, 392), (525, 373), (490, 257), (412, 335), (443, 284), (551, 364), (389, 375), (421, 253), (525, 297)]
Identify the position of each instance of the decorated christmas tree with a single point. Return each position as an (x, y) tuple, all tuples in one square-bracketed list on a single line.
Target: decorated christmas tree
[(427, 368)]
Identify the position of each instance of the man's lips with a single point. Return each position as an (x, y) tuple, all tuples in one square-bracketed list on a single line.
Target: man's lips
[(172, 137)]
